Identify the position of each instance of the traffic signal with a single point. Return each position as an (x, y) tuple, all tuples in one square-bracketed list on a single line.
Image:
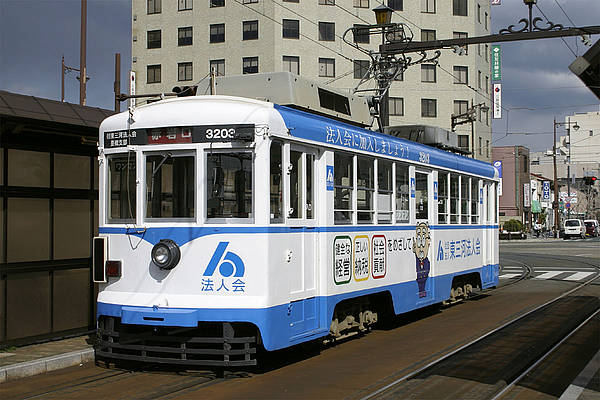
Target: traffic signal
[(590, 180)]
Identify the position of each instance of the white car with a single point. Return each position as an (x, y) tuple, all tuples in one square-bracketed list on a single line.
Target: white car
[(574, 228)]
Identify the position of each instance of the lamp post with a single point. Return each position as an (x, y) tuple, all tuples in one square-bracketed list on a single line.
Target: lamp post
[(466, 117), (383, 17), (568, 127)]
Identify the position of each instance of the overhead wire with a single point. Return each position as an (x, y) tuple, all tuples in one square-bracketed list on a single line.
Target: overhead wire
[(564, 41)]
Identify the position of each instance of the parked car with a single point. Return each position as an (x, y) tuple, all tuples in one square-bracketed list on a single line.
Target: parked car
[(574, 228), (592, 228)]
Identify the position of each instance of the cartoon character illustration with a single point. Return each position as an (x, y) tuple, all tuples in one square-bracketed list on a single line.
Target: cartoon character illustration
[(421, 249)]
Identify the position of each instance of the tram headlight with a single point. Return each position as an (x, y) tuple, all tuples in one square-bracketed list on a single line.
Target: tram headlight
[(166, 254)]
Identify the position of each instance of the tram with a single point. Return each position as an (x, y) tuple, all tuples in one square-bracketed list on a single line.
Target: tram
[(230, 224)]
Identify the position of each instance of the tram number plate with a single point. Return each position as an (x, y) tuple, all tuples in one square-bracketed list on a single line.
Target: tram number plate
[(223, 133)]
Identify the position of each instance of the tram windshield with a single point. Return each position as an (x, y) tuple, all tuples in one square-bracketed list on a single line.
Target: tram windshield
[(121, 188), (170, 185), (229, 185)]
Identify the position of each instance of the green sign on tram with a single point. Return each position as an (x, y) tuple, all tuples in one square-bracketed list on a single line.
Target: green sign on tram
[(496, 74)]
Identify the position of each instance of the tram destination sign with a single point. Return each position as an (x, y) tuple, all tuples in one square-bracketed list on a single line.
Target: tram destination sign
[(178, 135)]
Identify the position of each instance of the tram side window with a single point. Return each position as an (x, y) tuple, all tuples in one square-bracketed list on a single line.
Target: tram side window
[(276, 183), (343, 186), (169, 186), (464, 200), (474, 201), (402, 203), (229, 185), (421, 196), (310, 160), (442, 198), (454, 199), (366, 188), (384, 192), (296, 185), (121, 188)]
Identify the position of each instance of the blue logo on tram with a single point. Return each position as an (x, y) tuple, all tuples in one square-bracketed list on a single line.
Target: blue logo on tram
[(232, 263)]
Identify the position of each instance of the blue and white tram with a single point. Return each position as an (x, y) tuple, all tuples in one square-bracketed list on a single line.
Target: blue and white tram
[(227, 223)]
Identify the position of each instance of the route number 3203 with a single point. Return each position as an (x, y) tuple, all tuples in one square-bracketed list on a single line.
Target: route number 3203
[(220, 133)]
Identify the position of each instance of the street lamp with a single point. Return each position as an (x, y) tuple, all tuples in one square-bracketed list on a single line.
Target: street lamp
[(466, 117), (383, 14), (568, 127)]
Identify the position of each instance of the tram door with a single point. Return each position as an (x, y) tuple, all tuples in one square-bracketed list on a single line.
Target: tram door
[(301, 217), (488, 233), (423, 250)]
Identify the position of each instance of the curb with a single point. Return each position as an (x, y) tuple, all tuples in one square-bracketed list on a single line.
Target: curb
[(46, 364)]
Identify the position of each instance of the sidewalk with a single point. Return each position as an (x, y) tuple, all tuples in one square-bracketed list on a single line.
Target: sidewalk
[(40, 358)]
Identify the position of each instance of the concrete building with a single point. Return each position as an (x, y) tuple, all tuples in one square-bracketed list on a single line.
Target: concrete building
[(175, 43), (515, 198), (585, 149)]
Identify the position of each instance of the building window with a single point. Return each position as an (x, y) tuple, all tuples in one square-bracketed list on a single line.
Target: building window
[(487, 148), (217, 3), (361, 68), (185, 5), (153, 75), (485, 21), (292, 1), (428, 108), (291, 28), (396, 106), (249, 1), (427, 35), (460, 107), (463, 142), (184, 36), (461, 75), (217, 33), (487, 52), (481, 147), (479, 13), (154, 39), (219, 66), (154, 6), (361, 3), (396, 5), (361, 35), (327, 2), (327, 31), (250, 65), (459, 7), (462, 35), (291, 64), (428, 6), (250, 30), (327, 67), (428, 73), (184, 71), (487, 84), (479, 79)]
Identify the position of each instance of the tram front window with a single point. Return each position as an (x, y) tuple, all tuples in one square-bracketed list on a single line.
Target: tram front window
[(121, 188), (229, 185), (170, 185)]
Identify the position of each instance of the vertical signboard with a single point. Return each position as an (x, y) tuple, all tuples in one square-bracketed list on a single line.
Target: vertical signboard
[(496, 72), (526, 195), (131, 87), (546, 191), (498, 166), (497, 100)]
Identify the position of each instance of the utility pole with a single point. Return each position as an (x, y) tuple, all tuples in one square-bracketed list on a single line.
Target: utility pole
[(82, 50), (117, 85), (556, 215), (569, 166)]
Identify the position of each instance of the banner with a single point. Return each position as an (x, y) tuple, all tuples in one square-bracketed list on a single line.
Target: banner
[(132, 87), (496, 72), (526, 195), (546, 190), (497, 100), (498, 166)]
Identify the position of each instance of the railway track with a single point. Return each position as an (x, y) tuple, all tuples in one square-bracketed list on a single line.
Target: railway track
[(447, 370)]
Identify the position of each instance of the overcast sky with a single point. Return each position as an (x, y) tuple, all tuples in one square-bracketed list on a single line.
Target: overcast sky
[(34, 34)]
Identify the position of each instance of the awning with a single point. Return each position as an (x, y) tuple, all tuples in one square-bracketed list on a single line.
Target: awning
[(536, 208)]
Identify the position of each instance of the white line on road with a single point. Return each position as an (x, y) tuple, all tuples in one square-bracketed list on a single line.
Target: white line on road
[(508, 276), (578, 386), (549, 275), (578, 276)]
